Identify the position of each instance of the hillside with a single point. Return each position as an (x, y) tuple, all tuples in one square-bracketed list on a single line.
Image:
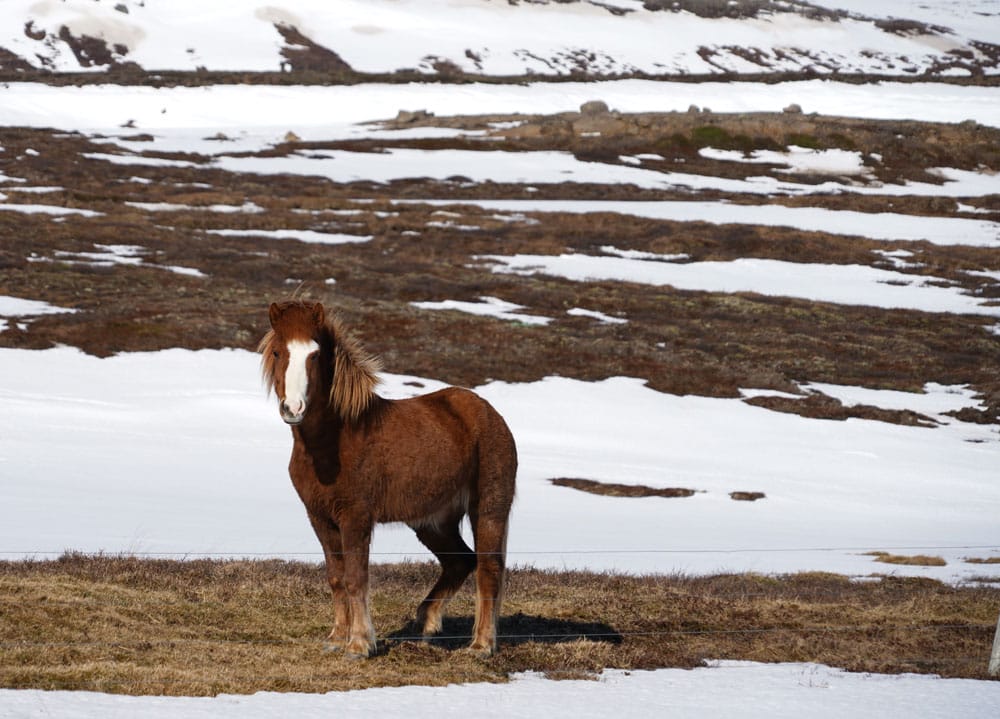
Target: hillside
[(317, 41)]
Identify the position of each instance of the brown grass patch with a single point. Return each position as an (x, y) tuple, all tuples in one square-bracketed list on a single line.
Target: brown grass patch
[(127, 625), (746, 496), (611, 489), (920, 560), (982, 560), (820, 406)]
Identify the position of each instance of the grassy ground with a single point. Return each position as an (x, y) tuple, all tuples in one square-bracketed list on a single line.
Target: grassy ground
[(136, 626)]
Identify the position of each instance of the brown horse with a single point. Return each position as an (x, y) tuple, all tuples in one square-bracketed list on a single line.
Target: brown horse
[(359, 459)]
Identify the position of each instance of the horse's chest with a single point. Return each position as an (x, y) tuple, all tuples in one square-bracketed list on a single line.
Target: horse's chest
[(314, 478)]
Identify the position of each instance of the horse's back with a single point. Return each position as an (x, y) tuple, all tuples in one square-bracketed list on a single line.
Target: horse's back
[(478, 416), (488, 435)]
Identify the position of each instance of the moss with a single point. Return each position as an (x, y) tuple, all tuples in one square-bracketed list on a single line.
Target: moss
[(711, 136), (804, 140)]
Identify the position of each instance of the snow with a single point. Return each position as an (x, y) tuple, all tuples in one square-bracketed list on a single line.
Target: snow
[(488, 307), (479, 37), (17, 307), (724, 688), (90, 433), (246, 207), (324, 238), (595, 315), (22, 309), (555, 167), (935, 400), (48, 210), (325, 112), (968, 18), (842, 284), (110, 255), (137, 160), (873, 225), (798, 159)]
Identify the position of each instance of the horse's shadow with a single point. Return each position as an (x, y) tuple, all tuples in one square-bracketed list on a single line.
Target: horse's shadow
[(512, 630)]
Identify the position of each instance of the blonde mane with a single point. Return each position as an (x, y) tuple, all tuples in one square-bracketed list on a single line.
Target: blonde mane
[(355, 374), (266, 347)]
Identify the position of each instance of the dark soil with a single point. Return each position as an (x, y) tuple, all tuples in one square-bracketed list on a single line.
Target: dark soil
[(612, 489)]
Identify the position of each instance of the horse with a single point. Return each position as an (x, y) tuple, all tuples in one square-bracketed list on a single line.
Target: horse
[(359, 459)]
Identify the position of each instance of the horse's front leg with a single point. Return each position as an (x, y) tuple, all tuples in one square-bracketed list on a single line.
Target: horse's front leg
[(361, 638), (329, 537)]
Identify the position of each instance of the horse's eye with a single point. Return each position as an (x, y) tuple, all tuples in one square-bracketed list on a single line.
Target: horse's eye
[(275, 353)]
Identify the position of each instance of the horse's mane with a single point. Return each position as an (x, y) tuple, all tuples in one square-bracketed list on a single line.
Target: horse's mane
[(355, 371), (355, 374)]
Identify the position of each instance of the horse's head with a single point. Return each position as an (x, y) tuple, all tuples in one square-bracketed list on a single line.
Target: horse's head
[(296, 356)]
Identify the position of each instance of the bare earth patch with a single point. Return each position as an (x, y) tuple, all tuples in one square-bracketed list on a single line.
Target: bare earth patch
[(746, 496), (612, 489)]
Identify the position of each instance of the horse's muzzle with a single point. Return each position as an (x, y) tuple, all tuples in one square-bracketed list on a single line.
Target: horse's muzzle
[(292, 416)]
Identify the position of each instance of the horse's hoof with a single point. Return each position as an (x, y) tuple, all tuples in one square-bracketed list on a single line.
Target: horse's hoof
[(480, 651), (357, 650), (332, 647)]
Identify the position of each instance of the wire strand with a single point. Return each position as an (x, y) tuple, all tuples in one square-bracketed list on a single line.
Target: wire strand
[(724, 550)]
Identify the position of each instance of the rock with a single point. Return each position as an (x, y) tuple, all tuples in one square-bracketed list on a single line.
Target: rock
[(406, 116), (693, 109), (594, 107), (793, 109)]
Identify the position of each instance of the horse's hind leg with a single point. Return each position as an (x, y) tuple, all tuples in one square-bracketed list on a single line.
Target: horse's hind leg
[(491, 551), (457, 562)]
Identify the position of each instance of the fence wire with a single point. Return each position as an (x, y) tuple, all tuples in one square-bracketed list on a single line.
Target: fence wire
[(275, 554)]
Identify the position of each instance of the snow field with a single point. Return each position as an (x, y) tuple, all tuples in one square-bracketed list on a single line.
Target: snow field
[(142, 453)]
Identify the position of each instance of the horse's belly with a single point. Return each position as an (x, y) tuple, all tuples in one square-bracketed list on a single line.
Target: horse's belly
[(437, 514)]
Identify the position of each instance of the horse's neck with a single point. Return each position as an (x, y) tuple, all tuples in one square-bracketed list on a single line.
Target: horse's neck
[(320, 431), (325, 429)]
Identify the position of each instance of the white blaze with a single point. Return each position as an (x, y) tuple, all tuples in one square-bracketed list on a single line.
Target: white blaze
[(296, 377)]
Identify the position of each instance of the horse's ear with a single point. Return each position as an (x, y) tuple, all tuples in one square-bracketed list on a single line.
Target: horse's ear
[(273, 313), (319, 314)]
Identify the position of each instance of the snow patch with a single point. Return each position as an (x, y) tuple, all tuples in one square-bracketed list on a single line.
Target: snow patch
[(489, 307)]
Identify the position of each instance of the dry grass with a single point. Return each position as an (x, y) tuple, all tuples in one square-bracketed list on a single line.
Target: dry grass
[(135, 626), (983, 560), (916, 560), (612, 489), (746, 496)]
